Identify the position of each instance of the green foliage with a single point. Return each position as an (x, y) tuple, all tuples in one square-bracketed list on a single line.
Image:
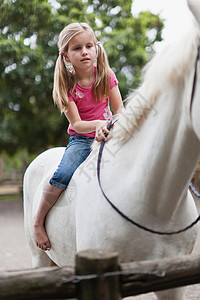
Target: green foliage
[(19, 160), (28, 46)]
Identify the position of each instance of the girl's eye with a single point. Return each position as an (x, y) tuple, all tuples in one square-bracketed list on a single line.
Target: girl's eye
[(79, 47)]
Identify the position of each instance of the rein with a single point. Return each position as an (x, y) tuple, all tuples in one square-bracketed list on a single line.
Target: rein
[(123, 215)]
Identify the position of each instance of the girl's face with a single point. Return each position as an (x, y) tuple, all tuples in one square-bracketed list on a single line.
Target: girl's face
[(81, 51)]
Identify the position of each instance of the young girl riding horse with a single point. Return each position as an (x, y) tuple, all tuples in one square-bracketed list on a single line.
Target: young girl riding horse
[(83, 86)]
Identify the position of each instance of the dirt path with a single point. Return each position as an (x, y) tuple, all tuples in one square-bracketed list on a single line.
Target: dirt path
[(15, 254)]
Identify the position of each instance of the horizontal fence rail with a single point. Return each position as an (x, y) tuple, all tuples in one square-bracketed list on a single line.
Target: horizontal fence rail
[(97, 275)]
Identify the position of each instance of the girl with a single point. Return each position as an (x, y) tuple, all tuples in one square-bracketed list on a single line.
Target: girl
[(82, 93)]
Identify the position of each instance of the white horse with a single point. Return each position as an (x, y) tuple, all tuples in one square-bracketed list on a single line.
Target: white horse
[(146, 168)]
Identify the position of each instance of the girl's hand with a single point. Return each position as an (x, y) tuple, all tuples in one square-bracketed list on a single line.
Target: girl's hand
[(101, 131)]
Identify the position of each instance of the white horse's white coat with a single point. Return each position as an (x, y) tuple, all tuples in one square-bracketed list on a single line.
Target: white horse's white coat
[(145, 171)]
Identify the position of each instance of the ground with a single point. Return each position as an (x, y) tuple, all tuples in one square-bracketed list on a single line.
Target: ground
[(15, 253)]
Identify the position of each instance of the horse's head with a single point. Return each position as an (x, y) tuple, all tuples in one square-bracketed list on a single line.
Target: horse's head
[(194, 6)]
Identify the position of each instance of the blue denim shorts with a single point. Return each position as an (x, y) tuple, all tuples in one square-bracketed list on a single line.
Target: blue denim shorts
[(76, 152)]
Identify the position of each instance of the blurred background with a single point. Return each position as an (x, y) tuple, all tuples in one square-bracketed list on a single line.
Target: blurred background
[(29, 121), (29, 29)]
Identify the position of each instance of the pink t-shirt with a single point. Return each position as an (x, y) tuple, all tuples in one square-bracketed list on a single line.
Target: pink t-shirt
[(90, 109)]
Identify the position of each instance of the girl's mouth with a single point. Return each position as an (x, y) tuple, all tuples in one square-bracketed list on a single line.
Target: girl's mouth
[(85, 59)]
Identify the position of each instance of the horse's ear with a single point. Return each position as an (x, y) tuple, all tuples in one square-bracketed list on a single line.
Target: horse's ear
[(194, 6)]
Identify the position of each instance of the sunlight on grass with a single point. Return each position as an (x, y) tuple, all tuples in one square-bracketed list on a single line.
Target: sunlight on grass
[(10, 197)]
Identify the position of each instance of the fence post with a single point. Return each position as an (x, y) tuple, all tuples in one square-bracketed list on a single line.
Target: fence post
[(102, 287)]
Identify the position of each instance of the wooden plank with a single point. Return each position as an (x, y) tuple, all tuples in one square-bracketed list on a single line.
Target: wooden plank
[(44, 283), (160, 275), (136, 278)]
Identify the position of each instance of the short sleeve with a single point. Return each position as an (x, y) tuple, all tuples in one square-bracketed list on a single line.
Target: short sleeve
[(113, 79)]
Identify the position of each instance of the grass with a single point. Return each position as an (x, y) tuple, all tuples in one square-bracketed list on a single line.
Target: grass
[(10, 197)]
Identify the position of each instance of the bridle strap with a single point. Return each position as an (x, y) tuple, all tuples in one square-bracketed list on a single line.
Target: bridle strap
[(123, 215)]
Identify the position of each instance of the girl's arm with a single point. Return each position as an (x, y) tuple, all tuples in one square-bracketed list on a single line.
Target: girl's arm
[(80, 126), (116, 100), (99, 126)]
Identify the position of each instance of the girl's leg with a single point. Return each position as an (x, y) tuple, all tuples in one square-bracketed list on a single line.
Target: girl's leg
[(76, 152), (49, 197)]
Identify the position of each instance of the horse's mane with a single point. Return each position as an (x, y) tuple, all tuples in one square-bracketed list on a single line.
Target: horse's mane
[(164, 69)]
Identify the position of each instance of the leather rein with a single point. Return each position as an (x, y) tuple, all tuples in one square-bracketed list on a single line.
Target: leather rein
[(123, 215)]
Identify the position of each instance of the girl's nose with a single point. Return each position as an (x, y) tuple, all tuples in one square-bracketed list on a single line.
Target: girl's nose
[(84, 51)]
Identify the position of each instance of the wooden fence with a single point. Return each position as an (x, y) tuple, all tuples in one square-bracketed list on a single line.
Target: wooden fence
[(97, 275)]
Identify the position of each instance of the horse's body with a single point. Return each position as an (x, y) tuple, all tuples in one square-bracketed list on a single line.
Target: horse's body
[(145, 171)]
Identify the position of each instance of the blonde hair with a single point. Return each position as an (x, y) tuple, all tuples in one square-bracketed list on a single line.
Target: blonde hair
[(64, 80)]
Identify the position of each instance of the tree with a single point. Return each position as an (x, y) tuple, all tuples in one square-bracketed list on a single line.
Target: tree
[(128, 41), (28, 46), (25, 78)]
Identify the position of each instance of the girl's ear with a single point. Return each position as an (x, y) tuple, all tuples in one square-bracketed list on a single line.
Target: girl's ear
[(67, 58)]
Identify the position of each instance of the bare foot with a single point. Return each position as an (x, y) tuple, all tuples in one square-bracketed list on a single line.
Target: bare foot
[(41, 238)]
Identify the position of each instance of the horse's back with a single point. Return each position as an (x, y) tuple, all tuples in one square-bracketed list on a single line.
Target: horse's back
[(43, 163), (42, 166)]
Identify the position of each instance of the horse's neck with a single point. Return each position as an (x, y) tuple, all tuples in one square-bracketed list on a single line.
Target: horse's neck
[(158, 161), (196, 103)]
